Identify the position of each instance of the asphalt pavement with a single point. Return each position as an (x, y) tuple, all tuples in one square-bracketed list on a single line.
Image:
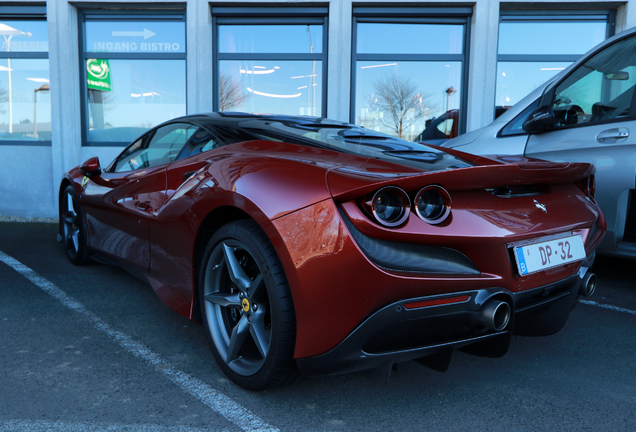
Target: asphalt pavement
[(93, 349)]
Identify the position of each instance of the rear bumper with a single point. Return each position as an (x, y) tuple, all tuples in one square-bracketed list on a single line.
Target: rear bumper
[(401, 332)]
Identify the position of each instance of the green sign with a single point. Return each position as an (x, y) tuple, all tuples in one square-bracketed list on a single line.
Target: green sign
[(98, 74)]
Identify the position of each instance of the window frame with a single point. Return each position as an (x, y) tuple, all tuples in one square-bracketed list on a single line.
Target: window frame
[(123, 15), (247, 15), (25, 13), (413, 15)]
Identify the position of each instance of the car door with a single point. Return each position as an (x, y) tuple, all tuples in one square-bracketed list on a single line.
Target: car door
[(121, 201), (595, 122)]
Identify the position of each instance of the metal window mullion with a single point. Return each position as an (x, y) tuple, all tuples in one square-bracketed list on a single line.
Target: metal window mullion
[(411, 20), (135, 56), (128, 15), (23, 11), (538, 57), (325, 68), (24, 55), (410, 57), (412, 11), (270, 21), (26, 143), (552, 18), (463, 103), (269, 56), (260, 12)]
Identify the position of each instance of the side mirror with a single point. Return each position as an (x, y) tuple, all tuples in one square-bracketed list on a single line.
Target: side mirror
[(540, 120), (91, 167)]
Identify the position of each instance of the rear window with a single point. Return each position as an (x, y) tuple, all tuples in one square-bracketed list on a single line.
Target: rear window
[(353, 139)]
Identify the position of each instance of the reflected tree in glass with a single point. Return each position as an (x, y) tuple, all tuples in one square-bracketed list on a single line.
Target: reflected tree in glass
[(400, 101), (231, 94)]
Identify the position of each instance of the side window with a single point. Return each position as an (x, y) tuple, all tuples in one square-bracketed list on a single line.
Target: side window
[(201, 141), (515, 127), (162, 148), (446, 127), (600, 89)]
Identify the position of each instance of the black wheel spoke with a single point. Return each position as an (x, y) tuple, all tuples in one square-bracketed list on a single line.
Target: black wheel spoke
[(237, 274), (239, 334), (223, 299), (258, 332), (74, 235), (255, 286)]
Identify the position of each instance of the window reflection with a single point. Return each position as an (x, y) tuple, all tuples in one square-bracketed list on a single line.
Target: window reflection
[(24, 36), (135, 36), (381, 38), (134, 75), (281, 87), (270, 68), (516, 79), (556, 37), (25, 103), (270, 39), (403, 99), (143, 93), (525, 42)]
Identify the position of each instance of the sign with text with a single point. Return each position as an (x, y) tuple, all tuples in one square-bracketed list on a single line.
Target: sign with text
[(135, 36)]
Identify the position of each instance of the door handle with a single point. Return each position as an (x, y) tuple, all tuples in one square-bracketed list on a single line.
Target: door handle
[(610, 136)]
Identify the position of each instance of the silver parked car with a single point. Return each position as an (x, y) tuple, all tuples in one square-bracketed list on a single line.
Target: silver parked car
[(586, 113)]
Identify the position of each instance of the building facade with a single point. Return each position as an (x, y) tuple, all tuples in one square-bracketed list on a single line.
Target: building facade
[(84, 78)]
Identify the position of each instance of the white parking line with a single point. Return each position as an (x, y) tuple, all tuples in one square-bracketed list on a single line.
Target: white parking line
[(606, 306), (65, 426), (211, 397)]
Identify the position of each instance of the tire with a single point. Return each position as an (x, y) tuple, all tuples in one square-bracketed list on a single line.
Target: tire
[(246, 306), (73, 228)]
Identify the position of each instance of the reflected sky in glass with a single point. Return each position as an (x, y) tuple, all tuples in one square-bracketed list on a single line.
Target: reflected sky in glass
[(26, 36), (135, 36), (145, 93), (21, 102), (300, 39), (516, 79), (376, 38), (428, 82), (550, 37), (277, 87)]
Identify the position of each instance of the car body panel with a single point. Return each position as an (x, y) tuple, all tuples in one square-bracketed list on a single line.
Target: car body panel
[(310, 202)]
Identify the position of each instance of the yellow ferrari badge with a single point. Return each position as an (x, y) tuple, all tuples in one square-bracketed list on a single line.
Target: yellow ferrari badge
[(84, 181), (246, 305)]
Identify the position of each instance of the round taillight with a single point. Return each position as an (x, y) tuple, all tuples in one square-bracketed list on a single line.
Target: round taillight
[(433, 204), (390, 206)]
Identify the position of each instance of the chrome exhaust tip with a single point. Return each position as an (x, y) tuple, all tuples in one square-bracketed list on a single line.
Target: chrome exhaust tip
[(495, 315), (588, 286)]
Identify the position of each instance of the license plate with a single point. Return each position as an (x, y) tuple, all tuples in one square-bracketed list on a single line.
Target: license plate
[(547, 254)]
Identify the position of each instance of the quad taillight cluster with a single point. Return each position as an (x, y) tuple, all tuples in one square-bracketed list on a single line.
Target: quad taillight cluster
[(391, 206)]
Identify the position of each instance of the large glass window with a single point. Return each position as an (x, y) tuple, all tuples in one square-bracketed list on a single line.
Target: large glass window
[(270, 64), (534, 48), (25, 103), (409, 73), (135, 76)]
